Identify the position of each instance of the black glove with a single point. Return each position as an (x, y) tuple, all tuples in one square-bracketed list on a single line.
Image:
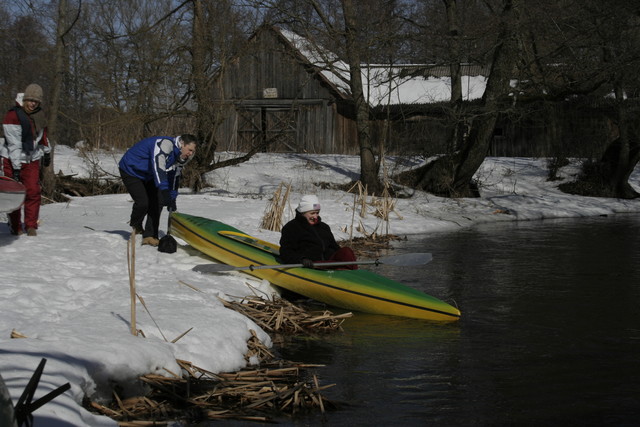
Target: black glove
[(16, 174), (46, 160), (171, 207), (165, 198), (306, 263)]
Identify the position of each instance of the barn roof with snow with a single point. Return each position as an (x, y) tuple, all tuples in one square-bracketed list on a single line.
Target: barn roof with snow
[(288, 94), (386, 84)]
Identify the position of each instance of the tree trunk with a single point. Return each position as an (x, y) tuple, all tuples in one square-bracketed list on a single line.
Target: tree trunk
[(368, 166), (455, 124), (629, 154), (202, 94), (199, 75), (452, 174), (623, 154), (48, 177), (609, 176)]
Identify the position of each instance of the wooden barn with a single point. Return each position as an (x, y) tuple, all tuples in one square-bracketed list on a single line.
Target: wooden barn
[(293, 96), (285, 94), (272, 94)]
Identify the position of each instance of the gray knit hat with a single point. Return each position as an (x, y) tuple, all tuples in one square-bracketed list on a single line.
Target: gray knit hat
[(33, 92)]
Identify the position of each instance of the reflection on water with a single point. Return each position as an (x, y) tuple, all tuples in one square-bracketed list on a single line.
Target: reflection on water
[(549, 334)]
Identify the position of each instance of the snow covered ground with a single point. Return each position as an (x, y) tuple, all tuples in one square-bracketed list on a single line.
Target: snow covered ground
[(67, 290)]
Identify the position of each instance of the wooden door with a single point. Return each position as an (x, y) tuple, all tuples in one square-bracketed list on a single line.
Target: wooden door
[(273, 128)]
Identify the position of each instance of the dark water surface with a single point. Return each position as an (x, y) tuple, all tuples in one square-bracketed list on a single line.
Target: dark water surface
[(549, 334)]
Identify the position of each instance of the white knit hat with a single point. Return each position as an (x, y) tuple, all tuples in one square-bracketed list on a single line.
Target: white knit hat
[(308, 203)]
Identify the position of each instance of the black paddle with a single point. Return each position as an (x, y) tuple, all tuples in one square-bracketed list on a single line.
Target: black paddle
[(405, 260)]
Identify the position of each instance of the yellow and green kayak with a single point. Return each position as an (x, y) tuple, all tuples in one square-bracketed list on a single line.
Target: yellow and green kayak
[(357, 290)]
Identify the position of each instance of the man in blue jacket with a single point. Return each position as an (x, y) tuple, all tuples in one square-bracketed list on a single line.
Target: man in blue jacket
[(150, 171)]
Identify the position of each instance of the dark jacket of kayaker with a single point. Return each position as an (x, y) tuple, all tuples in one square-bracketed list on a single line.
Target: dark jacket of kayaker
[(300, 240)]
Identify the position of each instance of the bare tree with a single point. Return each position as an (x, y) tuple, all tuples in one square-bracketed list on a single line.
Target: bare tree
[(456, 124), (358, 33), (63, 26), (129, 69), (589, 57), (452, 174), (26, 50), (614, 41), (369, 166), (129, 65), (216, 33)]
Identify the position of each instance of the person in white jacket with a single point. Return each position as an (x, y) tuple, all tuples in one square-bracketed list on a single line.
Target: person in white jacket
[(25, 149)]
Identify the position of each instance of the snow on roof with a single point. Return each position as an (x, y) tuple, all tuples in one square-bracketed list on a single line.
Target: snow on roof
[(384, 84), (333, 70)]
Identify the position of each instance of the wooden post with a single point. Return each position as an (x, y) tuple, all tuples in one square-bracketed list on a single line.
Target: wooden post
[(131, 264)]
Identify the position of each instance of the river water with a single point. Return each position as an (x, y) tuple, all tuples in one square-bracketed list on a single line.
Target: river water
[(549, 334)]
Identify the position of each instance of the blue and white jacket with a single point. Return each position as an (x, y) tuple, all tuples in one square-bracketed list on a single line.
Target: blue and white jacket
[(155, 158)]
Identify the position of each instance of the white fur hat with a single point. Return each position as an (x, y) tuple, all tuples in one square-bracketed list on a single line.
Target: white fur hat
[(308, 203)]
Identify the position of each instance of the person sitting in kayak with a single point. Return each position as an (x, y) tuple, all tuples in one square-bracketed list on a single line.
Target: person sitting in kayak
[(308, 241)]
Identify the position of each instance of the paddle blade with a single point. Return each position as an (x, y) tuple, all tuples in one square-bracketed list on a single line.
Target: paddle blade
[(407, 260), (212, 268)]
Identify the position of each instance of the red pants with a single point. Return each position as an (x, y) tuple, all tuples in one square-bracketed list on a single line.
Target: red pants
[(342, 254), (30, 178)]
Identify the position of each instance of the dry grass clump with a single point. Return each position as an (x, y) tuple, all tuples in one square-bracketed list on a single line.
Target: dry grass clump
[(277, 388), (272, 218), (372, 246), (364, 204), (382, 206), (281, 316)]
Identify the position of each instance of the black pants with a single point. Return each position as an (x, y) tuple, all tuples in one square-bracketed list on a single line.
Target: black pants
[(145, 203)]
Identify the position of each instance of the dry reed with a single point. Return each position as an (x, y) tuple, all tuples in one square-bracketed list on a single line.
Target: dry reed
[(277, 388), (382, 208), (272, 218), (252, 394), (281, 316), (131, 264)]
